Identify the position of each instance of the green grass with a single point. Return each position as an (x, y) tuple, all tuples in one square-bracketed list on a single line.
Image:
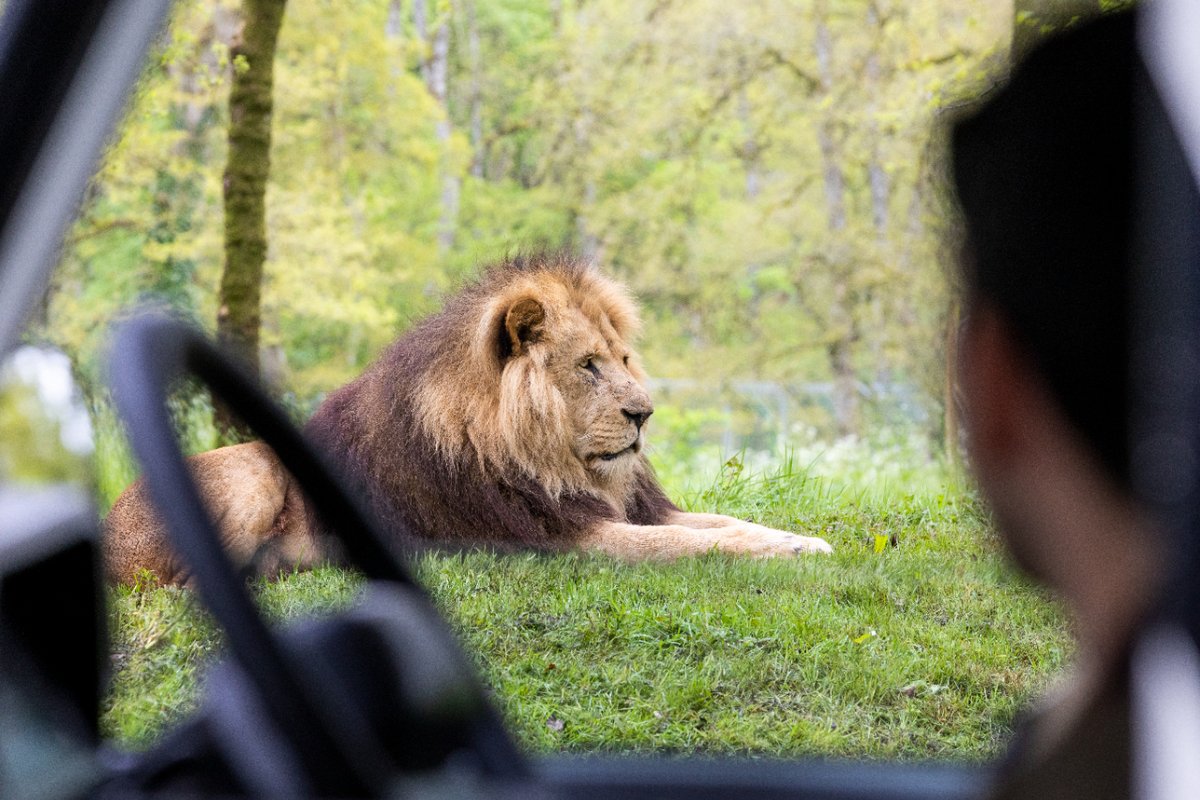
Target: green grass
[(913, 640)]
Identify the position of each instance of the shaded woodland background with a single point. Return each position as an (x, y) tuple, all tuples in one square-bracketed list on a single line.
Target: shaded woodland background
[(764, 175)]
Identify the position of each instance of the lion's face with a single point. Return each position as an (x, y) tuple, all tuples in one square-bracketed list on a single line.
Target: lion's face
[(571, 405), (549, 387), (597, 374)]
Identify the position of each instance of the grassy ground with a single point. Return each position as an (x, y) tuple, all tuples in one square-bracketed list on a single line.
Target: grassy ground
[(913, 640)]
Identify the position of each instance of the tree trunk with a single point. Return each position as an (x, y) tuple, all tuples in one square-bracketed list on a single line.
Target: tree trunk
[(842, 313), (392, 27), (435, 70), (950, 420), (835, 182), (476, 100), (239, 310), (420, 15), (880, 185), (587, 242), (846, 413), (750, 150)]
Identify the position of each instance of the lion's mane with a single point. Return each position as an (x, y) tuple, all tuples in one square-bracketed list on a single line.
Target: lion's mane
[(451, 439)]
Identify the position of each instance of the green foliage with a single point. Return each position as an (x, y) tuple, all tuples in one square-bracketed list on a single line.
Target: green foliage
[(113, 463), (113, 459), (678, 450), (162, 642), (160, 646), (33, 448), (759, 174)]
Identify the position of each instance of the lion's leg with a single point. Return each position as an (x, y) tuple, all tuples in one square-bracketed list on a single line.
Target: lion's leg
[(291, 543), (663, 542), (691, 519), (705, 521), (244, 488)]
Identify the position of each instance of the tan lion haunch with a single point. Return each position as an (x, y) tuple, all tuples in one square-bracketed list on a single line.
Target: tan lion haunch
[(516, 416)]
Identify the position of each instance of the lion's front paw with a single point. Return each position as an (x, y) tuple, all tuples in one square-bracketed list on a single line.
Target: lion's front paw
[(767, 542), (812, 544)]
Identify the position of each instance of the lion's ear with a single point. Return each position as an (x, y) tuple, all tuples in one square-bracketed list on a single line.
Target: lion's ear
[(523, 325)]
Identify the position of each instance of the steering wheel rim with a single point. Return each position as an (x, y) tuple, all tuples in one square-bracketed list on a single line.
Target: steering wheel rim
[(332, 738)]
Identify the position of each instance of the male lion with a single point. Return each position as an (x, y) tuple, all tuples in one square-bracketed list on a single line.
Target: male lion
[(516, 416)]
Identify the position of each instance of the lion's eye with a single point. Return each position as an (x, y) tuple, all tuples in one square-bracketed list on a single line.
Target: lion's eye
[(589, 364), (626, 360)]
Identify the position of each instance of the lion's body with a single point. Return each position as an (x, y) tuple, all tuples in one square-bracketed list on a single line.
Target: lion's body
[(514, 417)]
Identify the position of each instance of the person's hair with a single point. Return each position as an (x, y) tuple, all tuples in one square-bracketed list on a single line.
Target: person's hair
[(1043, 171)]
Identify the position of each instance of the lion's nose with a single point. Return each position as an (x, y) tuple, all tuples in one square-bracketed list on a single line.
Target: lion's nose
[(638, 416)]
